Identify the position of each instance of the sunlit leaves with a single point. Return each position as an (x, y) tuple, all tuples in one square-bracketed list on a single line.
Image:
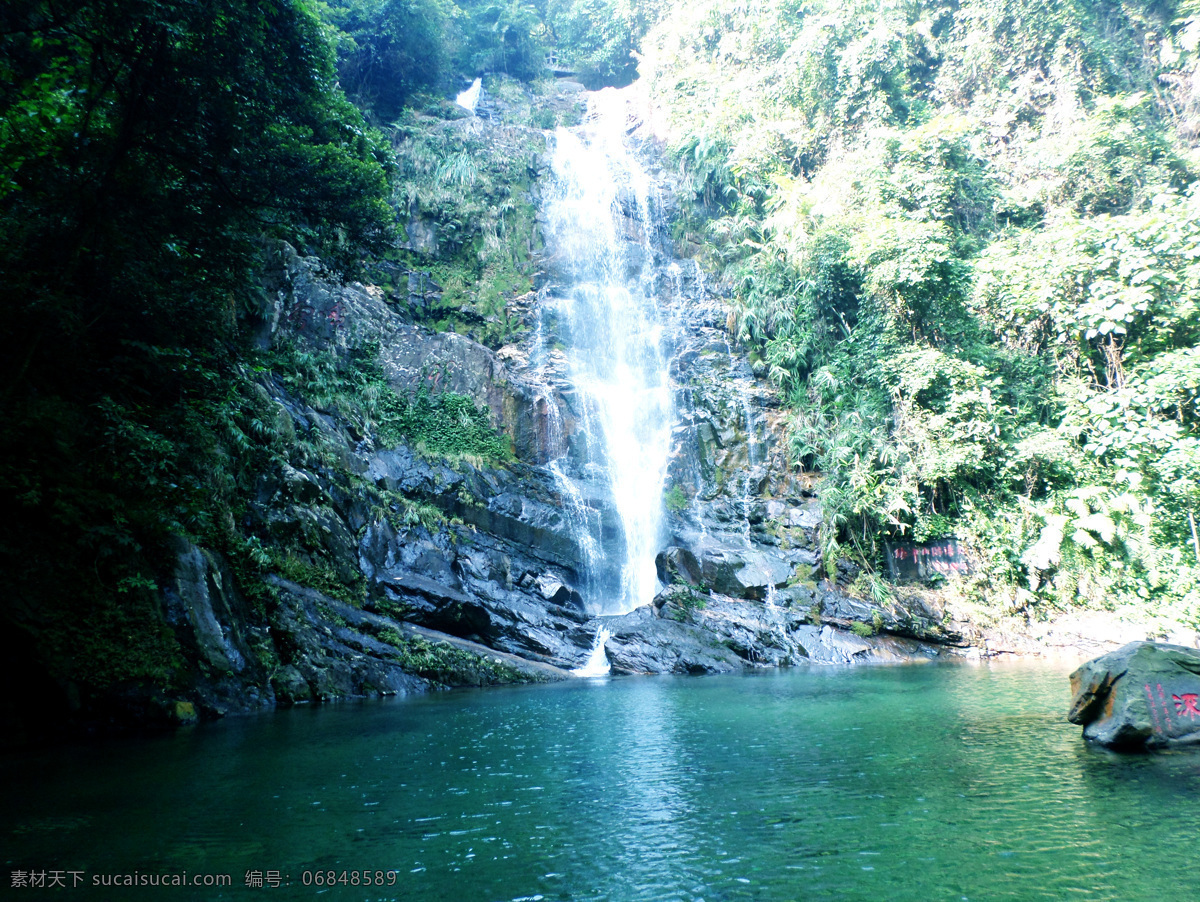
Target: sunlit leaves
[(959, 237)]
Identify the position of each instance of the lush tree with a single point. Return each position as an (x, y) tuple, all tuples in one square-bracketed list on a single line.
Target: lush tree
[(392, 49), (600, 38), (505, 36), (959, 238), (148, 147)]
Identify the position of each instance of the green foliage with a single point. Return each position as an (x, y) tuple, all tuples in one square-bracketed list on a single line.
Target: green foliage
[(599, 38), (1112, 304), (1119, 155), (250, 561), (388, 50), (504, 36), (802, 575), (399, 54), (960, 239), (473, 191), (113, 641), (444, 663), (445, 424), (869, 585), (147, 148), (684, 602), (677, 500), (322, 578)]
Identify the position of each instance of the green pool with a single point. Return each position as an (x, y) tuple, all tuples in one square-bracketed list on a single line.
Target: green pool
[(890, 783)]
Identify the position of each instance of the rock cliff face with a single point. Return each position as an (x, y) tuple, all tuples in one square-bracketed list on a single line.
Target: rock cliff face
[(488, 559), (476, 574)]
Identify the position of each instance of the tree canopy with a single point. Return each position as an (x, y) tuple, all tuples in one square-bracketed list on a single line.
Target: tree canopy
[(147, 148), (962, 239)]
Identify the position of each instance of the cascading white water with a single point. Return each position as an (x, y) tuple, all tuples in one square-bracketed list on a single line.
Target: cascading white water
[(469, 99), (597, 663), (599, 229)]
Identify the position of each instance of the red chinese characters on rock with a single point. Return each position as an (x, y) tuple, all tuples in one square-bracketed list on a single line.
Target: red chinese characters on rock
[(1185, 705), (1163, 712), (922, 561)]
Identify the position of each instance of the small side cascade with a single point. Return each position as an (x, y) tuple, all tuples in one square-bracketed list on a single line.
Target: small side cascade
[(597, 663), (775, 618), (752, 449), (469, 99), (583, 518), (675, 271)]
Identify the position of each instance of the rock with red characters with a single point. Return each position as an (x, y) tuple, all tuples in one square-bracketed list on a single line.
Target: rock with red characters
[(1144, 695)]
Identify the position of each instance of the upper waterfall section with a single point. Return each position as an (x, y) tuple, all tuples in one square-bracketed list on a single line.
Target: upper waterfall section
[(601, 223)]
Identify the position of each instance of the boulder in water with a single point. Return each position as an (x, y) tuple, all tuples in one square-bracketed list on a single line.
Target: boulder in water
[(1141, 696)]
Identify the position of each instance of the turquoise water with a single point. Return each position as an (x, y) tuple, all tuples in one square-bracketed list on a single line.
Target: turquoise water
[(901, 783)]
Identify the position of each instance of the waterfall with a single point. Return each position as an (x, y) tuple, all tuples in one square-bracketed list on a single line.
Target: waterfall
[(469, 99), (597, 663), (600, 227)]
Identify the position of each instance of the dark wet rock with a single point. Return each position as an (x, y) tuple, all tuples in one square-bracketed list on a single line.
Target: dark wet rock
[(307, 306), (1144, 695), (730, 566), (197, 595), (741, 572), (644, 643), (291, 688), (334, 649), (827, 645), (515, 621), (423, 292), (400, 470), (723, 635), (216, 628), (534, 671), (676, 562), (422, 236), (554, 590)]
